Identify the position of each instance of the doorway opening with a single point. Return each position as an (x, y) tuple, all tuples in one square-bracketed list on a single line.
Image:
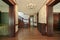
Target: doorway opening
[(56, 18), (31, 21), (4, 19), (23, 20), (52, 16), (27, 21)]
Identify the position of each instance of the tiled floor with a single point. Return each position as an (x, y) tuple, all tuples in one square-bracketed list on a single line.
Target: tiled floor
[(31, 34)]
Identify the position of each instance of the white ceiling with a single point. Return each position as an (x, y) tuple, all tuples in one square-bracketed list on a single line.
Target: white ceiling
[(24, 6)]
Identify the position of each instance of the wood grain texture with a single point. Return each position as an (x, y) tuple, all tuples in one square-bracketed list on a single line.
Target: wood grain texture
[(31, 34)]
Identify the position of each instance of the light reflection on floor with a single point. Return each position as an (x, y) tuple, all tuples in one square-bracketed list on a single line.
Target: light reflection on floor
[(31, 34)]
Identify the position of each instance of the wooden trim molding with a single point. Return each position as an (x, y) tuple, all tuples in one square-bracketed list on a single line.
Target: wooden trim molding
[(12, 2), (29, 22), (42, 28), (9, 2), (37, 18), (52, 2)]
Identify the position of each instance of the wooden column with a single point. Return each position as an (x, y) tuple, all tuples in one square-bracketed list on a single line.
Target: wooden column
[(12, 20), (49, 20), (29, 22), (12, 12)]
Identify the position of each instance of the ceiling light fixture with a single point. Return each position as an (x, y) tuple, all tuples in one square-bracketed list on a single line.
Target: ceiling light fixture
[(31, 6)]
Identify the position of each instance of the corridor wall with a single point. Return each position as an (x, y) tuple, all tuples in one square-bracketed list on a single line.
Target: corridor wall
[(42, 15), (42, 20)]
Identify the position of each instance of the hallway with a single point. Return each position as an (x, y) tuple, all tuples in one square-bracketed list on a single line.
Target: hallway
[(30, 34)]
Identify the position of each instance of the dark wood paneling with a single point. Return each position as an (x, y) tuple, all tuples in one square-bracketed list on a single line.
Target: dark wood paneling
[(59, 23), (0, 17), (56, 24), (29, 22), (42, 28), (56, 20), (37, 18)]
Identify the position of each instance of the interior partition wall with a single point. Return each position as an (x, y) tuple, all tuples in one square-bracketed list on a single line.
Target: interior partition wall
[(50, 5), (4, 19), (8, 19)]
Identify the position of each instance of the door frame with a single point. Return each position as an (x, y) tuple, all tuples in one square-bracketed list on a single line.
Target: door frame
[(49, 6), (11, 12)]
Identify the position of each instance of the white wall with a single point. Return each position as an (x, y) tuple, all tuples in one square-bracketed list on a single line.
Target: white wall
[(56, 8), (42, 12), (16, 18), (42, 15)]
